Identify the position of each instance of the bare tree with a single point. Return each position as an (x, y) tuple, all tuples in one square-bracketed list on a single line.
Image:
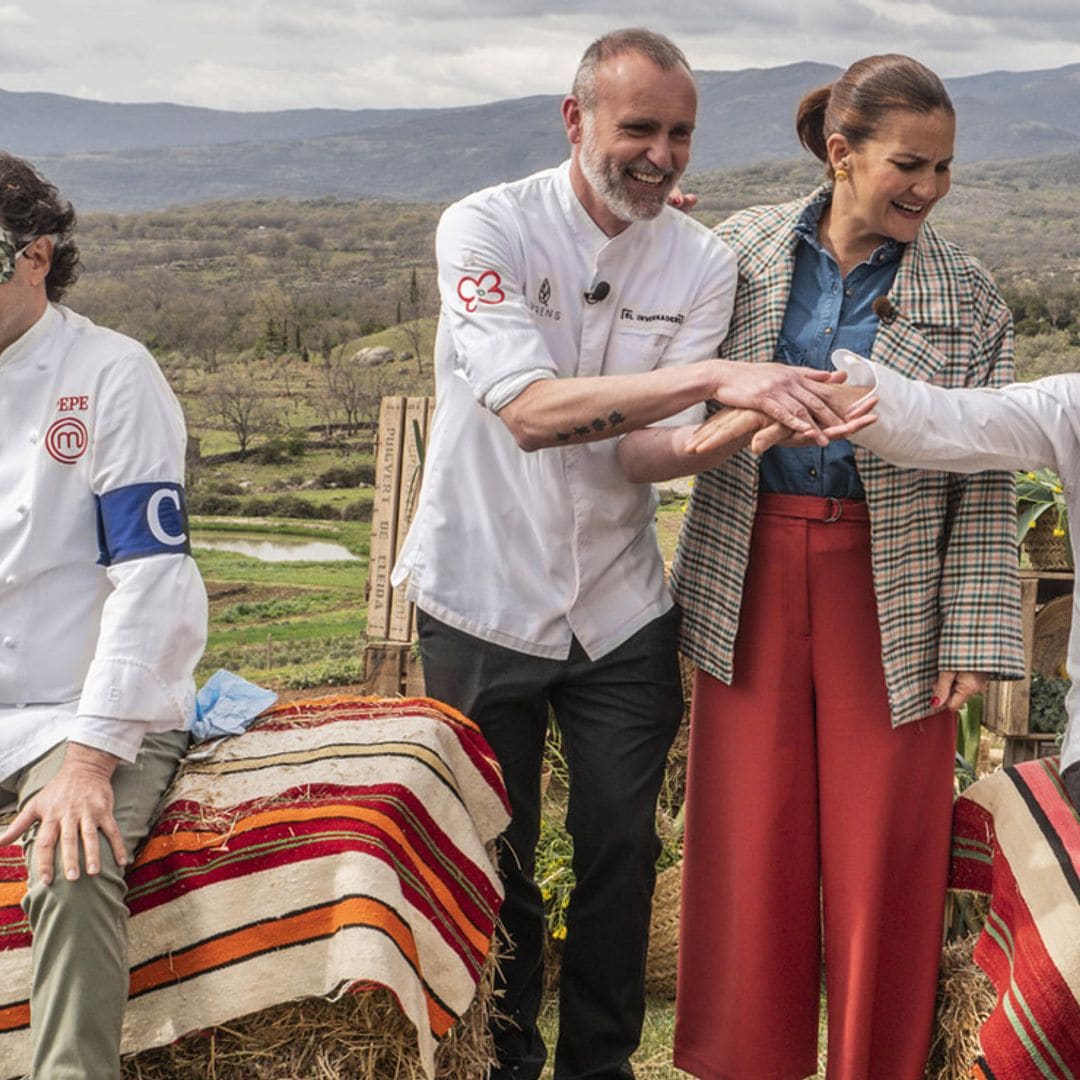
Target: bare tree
[(353, 390), (234, 398), (412, 307)]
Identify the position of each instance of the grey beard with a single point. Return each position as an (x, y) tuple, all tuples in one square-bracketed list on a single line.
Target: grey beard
[(606, 187)]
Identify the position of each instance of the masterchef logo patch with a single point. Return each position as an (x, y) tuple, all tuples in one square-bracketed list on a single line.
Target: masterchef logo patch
[(67, 439), (485, 289)]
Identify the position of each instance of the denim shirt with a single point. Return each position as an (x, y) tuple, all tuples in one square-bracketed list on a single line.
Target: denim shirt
[(826, 312)]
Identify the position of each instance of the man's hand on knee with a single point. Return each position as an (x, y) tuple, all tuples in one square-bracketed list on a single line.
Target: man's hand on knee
[(73, 806)]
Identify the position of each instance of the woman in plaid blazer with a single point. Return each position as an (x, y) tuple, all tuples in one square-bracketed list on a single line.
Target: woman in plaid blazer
[(838, 610)]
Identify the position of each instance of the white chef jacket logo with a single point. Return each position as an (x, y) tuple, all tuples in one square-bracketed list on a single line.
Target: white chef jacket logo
[(541, 309), (486, 289), (153, 517), (635, 316), (67, 440)]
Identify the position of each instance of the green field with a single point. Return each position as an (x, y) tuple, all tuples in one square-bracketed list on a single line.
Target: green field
[(284, 624)]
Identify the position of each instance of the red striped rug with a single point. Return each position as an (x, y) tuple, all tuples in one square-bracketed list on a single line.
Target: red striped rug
[(1017, 839), (341, 842)]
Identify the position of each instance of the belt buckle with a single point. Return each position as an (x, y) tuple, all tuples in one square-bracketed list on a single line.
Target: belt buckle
[(836, 510)]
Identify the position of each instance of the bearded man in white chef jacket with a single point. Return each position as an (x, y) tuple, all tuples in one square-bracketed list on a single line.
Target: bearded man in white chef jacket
[(102, 620), (576, 306)]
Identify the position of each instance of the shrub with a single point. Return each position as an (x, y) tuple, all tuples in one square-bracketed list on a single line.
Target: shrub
[(293, 506), (272, 452), (357, 510), (210, 502), (330, 673), (346, 476), (225, 487), (255, 611), (296, 442)]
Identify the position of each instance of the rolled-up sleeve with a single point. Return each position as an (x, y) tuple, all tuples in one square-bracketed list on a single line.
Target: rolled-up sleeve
[(481, 272)]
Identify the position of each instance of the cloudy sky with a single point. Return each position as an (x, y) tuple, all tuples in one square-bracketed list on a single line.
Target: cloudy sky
[(270, 54)]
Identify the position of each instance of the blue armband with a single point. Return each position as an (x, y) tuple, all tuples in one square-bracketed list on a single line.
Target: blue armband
[(141, 520)]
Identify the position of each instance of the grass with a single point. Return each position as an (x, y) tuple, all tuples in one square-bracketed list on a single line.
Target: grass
[(280, 624), (653, 1058), (398, 340)]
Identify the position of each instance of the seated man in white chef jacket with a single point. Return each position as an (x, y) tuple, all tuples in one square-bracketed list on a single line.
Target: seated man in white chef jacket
[(102, 620)]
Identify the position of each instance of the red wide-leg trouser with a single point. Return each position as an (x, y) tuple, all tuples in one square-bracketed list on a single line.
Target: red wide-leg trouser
[(808, 811)]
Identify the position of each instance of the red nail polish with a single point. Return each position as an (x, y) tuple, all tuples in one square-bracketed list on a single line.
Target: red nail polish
[(935, 702)]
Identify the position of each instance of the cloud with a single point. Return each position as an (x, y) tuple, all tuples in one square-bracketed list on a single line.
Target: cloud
[(14, 15), (1035, 11), (20, 64), (362, 53)]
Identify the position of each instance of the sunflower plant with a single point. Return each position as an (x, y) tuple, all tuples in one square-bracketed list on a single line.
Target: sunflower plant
[(1037, 492)]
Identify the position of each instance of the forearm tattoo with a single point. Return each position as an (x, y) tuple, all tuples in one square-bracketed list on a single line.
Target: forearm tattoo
[(598, 425)]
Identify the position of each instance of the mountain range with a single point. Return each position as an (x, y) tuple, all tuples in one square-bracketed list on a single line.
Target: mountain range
[(111, 156)]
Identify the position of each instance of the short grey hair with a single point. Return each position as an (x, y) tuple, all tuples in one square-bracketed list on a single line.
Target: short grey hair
[(663, 52)]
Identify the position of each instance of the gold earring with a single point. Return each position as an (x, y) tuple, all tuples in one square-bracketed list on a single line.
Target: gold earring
[(840, 174)]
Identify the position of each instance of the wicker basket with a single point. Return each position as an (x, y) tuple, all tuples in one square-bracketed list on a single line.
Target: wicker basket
[(662, 962), (1045, 550)]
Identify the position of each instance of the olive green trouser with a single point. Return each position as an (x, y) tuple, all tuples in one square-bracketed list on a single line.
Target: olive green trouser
[(79, 954)]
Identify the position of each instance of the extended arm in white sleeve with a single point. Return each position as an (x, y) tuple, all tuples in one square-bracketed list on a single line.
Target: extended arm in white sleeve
[(920, 425)]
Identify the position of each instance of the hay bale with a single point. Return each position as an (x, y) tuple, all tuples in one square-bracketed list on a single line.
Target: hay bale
[(965, 998), (662, 962), (362, 1034)]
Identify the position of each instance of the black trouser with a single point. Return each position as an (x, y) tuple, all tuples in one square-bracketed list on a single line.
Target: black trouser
[(618, 716)]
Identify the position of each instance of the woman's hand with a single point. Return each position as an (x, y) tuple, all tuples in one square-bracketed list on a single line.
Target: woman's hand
[(953, 688), (682, 200), (722, 426)]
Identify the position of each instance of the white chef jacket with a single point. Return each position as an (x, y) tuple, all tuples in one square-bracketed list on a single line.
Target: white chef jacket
[(529, 549), (1023, 426), (91, 438)]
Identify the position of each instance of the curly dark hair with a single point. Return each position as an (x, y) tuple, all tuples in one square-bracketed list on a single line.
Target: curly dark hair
[(31, 207)]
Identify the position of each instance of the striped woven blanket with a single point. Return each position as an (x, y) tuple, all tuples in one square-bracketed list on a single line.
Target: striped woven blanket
[(1017, 838), (341, 842)]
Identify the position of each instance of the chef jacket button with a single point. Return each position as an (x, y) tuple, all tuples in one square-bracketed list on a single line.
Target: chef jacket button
[(10, 579), (33, 438), (9, 642), (21, 509)]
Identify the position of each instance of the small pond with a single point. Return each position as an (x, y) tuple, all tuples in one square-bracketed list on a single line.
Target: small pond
[(274, 549)]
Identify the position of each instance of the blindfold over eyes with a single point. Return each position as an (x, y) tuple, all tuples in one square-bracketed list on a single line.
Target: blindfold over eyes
[(10, 250)]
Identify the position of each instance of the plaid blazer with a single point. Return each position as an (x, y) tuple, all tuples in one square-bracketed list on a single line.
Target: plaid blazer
[(944, 546)]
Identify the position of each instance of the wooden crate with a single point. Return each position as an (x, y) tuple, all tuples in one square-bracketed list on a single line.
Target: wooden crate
[(1007, 703), (392, 669), (384, 514), (1028, 748), (403, 429)]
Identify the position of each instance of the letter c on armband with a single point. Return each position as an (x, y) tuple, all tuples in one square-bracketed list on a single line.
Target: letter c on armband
[(141, 520), (153, 517)]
